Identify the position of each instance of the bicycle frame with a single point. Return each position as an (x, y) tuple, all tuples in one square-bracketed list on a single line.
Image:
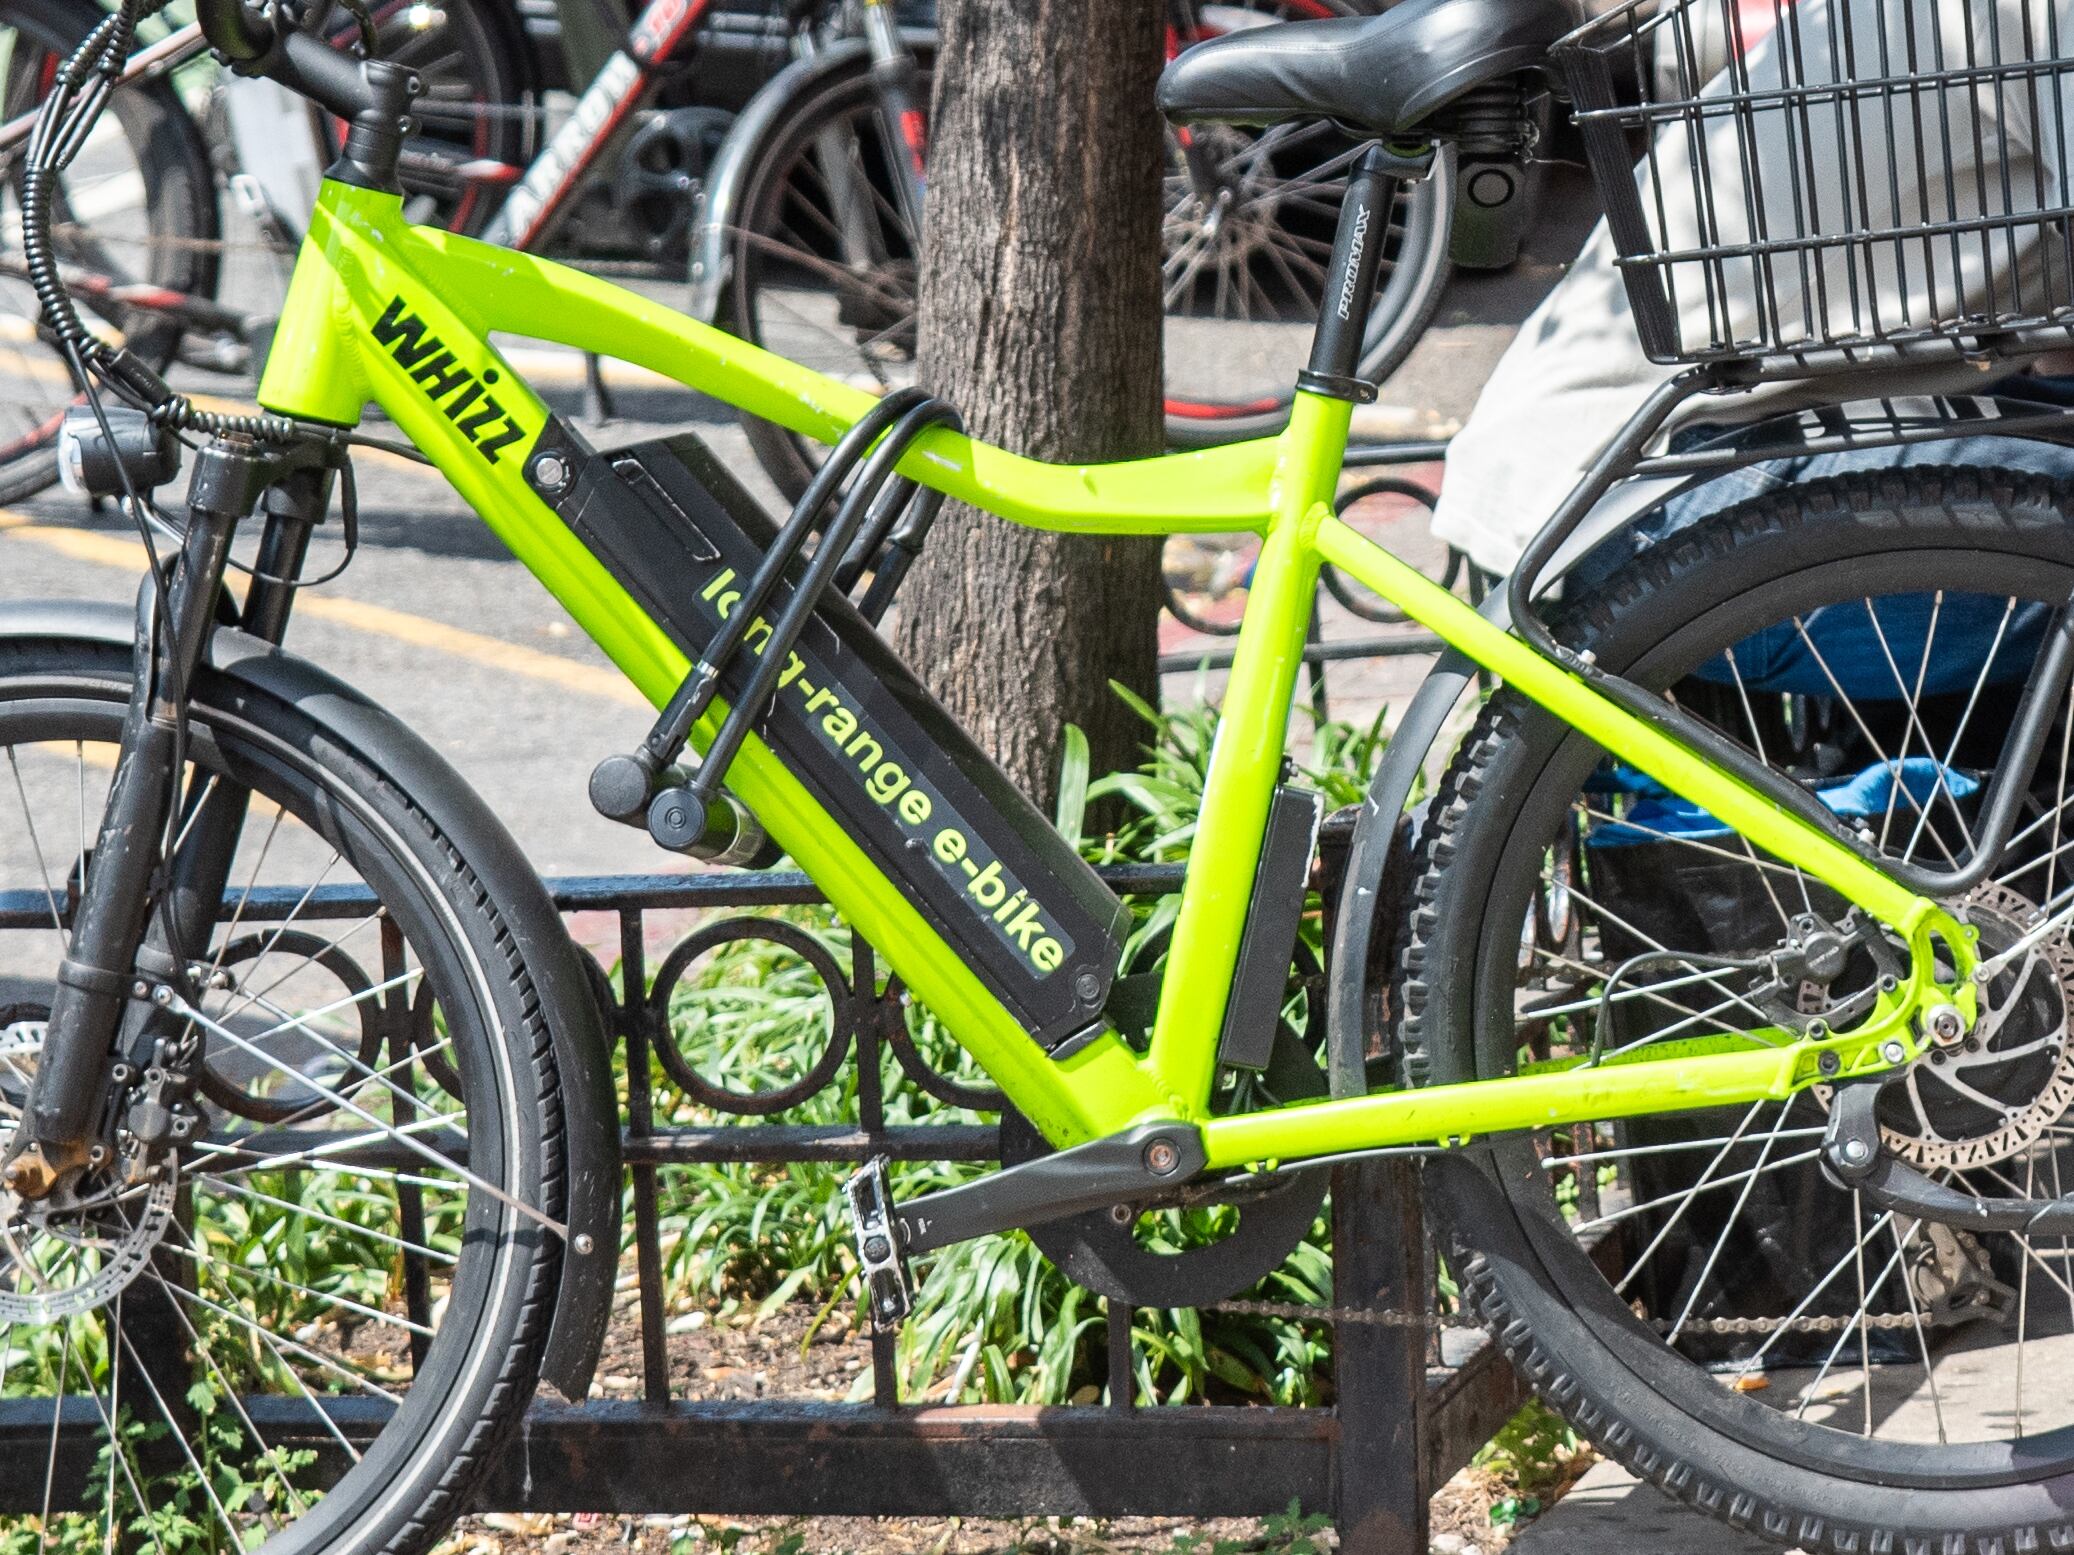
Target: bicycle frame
[(362, 260)]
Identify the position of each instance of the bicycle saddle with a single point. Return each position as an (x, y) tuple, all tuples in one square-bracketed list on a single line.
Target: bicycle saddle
[(1379, 74)]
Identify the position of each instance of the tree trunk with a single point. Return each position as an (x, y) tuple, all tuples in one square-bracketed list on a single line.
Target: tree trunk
[(1040, 321)]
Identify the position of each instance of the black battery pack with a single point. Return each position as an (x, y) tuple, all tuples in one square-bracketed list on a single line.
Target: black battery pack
[(852, 723)]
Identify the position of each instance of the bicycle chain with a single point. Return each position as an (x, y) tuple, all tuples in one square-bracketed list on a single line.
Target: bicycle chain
[(1384, 1317), (1376, 1317)]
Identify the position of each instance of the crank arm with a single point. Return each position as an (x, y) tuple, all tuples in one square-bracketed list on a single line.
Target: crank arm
[(1852, 1154), (1125, 1168)]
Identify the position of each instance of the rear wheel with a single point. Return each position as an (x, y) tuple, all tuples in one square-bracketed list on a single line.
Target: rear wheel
[(304, 1324), (1691, 1291)]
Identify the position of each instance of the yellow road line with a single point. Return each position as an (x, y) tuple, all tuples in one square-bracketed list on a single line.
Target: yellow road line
[(379, 620), (587, 679)]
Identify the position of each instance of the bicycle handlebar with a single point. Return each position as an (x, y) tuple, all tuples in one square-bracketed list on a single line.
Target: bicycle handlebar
[(256, 45)]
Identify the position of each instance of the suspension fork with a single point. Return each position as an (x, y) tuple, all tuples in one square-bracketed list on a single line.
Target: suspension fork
[(213, 813), (893, 72), (1183, 32), (115, 933)]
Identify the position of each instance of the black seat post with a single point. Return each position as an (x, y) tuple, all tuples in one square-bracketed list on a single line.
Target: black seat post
[(1357, 251)]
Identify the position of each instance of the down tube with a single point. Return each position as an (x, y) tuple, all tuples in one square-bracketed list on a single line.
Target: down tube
[(1683, 771), (1094, 1092)]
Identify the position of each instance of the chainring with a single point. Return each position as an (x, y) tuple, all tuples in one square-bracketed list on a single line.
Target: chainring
[(1100, 1250)]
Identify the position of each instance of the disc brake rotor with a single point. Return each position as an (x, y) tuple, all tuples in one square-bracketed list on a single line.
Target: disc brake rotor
[(57, 1263), (1996, 1092), (1101, 1250)]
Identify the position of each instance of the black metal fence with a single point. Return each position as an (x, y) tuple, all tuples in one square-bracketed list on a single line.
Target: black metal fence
[(1412, 1403), (1402, 1424)]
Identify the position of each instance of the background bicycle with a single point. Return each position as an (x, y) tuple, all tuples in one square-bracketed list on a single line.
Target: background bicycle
[(813, 255), (804, 237)]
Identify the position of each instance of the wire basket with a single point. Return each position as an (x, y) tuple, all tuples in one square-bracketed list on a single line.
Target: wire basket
[(1822, 174)]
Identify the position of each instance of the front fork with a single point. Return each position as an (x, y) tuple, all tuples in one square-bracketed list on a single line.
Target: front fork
[(120, 945)]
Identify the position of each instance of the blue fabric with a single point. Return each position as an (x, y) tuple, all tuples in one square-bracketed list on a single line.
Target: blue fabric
[(1841, 649), (1861, 797)]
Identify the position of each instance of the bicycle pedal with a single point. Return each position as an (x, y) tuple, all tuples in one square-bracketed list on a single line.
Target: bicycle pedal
[(879, 1254)]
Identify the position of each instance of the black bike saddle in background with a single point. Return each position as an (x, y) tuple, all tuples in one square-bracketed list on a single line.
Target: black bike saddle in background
[(1379, 74)]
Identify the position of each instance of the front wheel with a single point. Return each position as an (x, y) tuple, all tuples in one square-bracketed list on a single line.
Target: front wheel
[(296, 1308), (1691, 1291)]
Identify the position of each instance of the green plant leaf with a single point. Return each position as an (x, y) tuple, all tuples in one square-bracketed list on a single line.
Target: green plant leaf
[(1073, 776)]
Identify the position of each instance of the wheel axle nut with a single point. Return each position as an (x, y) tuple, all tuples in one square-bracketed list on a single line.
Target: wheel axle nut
[(1161, 1158), (1944, 1023)]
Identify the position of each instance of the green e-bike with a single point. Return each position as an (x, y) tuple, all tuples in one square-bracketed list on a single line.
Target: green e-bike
[(1738, 927)]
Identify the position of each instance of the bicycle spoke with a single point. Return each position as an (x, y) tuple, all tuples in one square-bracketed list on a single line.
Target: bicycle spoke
[(1965, 719), (322, 1415), (343, 1144), (1728, 1224), (303, 1211), (1757, 740), (281, 1348), (279, 1282), (1653, 943), (228, 933), (1856, 1254), (1856, 1326), (336, 943), (1922, 1343), (1626, 995), (50, 896), (1911, 699), (1762, 866), (194, 1466)]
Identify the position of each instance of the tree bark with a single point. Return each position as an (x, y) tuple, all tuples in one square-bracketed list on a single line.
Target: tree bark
[(1040, 321)]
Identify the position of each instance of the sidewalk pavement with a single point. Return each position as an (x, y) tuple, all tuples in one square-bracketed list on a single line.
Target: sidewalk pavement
[(1610, 1512)]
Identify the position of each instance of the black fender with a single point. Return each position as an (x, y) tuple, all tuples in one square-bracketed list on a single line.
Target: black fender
[(583, 1053), (1376, 873), (715, 209)]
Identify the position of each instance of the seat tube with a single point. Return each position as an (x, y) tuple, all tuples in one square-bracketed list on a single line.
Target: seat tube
[(1253, 727), (1246, 759)]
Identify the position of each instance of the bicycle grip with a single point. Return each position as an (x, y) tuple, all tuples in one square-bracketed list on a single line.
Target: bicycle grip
[(233, 30)]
